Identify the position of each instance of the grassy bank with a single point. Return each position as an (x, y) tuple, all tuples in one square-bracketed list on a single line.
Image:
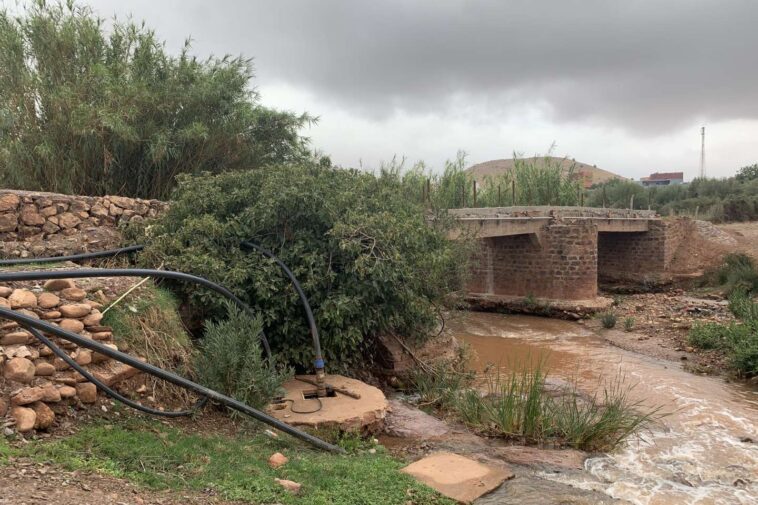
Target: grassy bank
[(738, 340), (163, 457)]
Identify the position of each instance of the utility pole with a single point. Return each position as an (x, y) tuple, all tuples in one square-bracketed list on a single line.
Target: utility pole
[(702, 152)]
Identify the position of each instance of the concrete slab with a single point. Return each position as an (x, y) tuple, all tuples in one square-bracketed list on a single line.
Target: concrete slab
[(340, 411), (457, 477)]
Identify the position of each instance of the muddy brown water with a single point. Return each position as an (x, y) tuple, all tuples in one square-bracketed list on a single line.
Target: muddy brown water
[(704, 452)]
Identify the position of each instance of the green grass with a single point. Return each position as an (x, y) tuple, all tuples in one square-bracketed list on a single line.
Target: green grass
[(161, 457), (628, 323), (608, 319)]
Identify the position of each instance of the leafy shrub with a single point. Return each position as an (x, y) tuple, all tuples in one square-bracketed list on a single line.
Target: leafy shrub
[(368, 258), (231, 361), (707, 335), (87, 109), (742, 306), (628, 323), (608, 319), (742, 340)]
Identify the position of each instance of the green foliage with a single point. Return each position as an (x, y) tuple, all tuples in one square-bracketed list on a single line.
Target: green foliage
[(367, 257), (748, 173), (707, 335), (628, 323), (738, 273), (541, 180), (518, 406), (717, 200), (90, 110), (608, 319), (439, 385), (235, 467), (231, 361)]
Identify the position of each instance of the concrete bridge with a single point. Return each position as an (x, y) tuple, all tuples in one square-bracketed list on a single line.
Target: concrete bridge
[(559, 253)]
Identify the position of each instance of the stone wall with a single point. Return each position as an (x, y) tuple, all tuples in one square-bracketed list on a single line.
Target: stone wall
[(558, 263), (36, 387), (48, 224)]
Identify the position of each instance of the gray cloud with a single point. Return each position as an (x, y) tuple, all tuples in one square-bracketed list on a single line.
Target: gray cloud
[(645, 65)]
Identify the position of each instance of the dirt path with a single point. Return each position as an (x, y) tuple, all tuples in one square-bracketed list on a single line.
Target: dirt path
[(26, 482), (746, 235)]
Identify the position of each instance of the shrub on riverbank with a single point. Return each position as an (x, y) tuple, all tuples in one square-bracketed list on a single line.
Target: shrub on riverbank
[(369, 259), (739, 341)]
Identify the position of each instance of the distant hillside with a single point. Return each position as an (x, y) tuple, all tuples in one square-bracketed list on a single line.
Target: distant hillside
[(589, 173)]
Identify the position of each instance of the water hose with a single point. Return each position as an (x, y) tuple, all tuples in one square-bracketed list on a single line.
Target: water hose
[(35, 325), (318, 359), (38, 324)]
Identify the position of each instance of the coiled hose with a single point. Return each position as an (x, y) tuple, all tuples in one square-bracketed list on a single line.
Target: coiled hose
[(36, 327)]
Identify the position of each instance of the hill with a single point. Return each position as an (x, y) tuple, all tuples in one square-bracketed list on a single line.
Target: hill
[(590, 173)]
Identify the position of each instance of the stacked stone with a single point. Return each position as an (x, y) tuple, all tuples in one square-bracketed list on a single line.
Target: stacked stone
[(29, 220), (36, 379)]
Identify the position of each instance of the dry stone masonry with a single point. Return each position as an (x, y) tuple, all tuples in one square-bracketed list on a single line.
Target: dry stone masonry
[(48, 224), (35, 385)]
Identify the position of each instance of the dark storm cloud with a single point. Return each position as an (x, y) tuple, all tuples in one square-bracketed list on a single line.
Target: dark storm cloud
[(646, 65)]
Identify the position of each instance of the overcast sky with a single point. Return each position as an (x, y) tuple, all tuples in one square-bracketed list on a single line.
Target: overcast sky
[(624, 84)]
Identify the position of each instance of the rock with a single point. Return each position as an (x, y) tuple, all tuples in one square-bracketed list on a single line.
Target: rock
[(102, 335), (9, 202), (27, 396), (74, 310), (74, 294), (115, 373), (277, 459), (535, 456), (48, 300), (31, 217), (87, 392), (72, 325), (51, 394), (48, 211), (3, 407), (15, 338), (68, 220), (28, 313), (83, 357), (93, 319), (4, 303), (44, 369), (408, 422), (60, 365), (22, 299), (53, 314), (99, 358), (19, 370), (45, 417), (8, 325), (58, 284), (67, 391), (291, 486), (5, 291), (8, 222), (25, 418)]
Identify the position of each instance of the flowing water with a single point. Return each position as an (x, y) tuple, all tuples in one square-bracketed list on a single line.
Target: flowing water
[(701, 453)]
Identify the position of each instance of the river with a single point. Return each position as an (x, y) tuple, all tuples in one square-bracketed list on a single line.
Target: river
[(704, 452)]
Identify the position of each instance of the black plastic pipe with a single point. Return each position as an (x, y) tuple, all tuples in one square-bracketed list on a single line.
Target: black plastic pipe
[(131, 272), (73, 257), (173, 378), (318, 360)]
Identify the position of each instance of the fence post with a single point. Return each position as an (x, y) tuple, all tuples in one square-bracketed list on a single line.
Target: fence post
[(499, 200), (513, 193)]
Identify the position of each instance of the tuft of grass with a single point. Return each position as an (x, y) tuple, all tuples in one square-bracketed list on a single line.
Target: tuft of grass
[(438, 385), (707, 335), (738, 273), (147, 323), (608, 319), (162, 457), (628, 323)]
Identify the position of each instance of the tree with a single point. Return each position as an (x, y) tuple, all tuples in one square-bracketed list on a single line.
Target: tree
[(748, 173), (87, 111)]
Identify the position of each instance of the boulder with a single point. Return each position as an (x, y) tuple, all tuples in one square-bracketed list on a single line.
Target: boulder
[(68, 220), (72, 325), (74, 310), (67, 391), (58, 284), (15, 338), (31, 217), (44, 369), (25, 418), (8, 222), (87, 392), (27, 396), (53, 314), (19, 370), (48, 300), (44, 416), (5, 291), (22, 299), (51, 394), (9, 202), (83, 357), (93, 319), (74, 294)]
